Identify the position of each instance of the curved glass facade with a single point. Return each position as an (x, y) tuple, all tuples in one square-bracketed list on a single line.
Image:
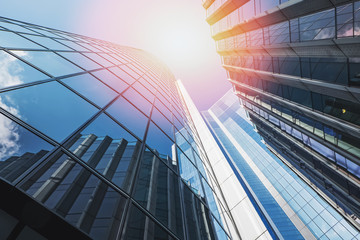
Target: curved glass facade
[(97, 134)]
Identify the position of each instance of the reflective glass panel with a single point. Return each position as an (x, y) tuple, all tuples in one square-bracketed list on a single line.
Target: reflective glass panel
[(49, 107), (99, 59), (139, 101), (162, 122), (129, 116), (123, 75), (14, 27), (49, 62), (12, 40), (47, 42), (19, 148), (157, 190), (91, 88), (111, 80), (141, 227), (13, 71), (80, 60), (157, 140), (76, 195)]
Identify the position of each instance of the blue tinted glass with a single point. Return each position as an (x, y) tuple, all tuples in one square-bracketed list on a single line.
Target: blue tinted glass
[(49, 62), (72, 45), (137, 227), (14, 72), (80, 60), (111, 80), (12, 40), (76, 194), (157, 140), (129, 116), (161, 121), (103, 126), (98, 59), (189, 173), (268, 4), (163, 109), (123, 75), (143, 91), (91, 88), (47, 42), (211, 199), (14, 27), (220, 233), (50, 107), (139, 101), (19, 148)]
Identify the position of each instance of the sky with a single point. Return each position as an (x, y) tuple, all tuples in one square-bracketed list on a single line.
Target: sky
[(173, 30)]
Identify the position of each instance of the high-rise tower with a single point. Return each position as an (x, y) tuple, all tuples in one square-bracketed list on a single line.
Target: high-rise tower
[(295, 66), (95, 143), (285, 201)]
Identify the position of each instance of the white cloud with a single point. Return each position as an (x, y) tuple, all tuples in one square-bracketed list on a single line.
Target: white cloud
[(9, 131), (8, 65)]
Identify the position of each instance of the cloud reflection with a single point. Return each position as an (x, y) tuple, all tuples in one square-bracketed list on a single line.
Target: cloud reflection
[(9, 131)]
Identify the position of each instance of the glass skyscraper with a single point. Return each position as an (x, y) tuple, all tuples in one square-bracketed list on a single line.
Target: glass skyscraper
[(287, 205), (295, 65), (95, 143)]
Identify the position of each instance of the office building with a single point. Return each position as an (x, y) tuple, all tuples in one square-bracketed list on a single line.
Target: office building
[(295, 65), (95, 144), (285, 199)]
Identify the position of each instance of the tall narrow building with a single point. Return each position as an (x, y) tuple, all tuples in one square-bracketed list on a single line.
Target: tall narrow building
[(295, 65), (95, 143), (281, 193)]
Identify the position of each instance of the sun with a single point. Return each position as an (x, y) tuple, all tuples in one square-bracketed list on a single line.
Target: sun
[(178, 45), (178, 41)]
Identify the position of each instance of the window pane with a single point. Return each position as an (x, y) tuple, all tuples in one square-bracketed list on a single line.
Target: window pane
[(157, 190), (163, 123), (14, 72), (49, 107), (91, 88), (111, 80), (19, 148), (47, 42), (80, 60), (14, 27), (12, 40), (197, 216), (123, 75), (189, 173), (157, 140), (129, 116), (119, 150), (98, 59), (73, 45), (139, 101), (141, 227), (75, 194), (49, 62), (143, 91)]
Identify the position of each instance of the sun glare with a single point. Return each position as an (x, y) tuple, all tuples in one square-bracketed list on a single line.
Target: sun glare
[(179, 41), (178, 45)]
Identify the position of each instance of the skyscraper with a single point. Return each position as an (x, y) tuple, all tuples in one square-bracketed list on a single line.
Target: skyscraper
[(95, 143), (292, 208), (295, 66)]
